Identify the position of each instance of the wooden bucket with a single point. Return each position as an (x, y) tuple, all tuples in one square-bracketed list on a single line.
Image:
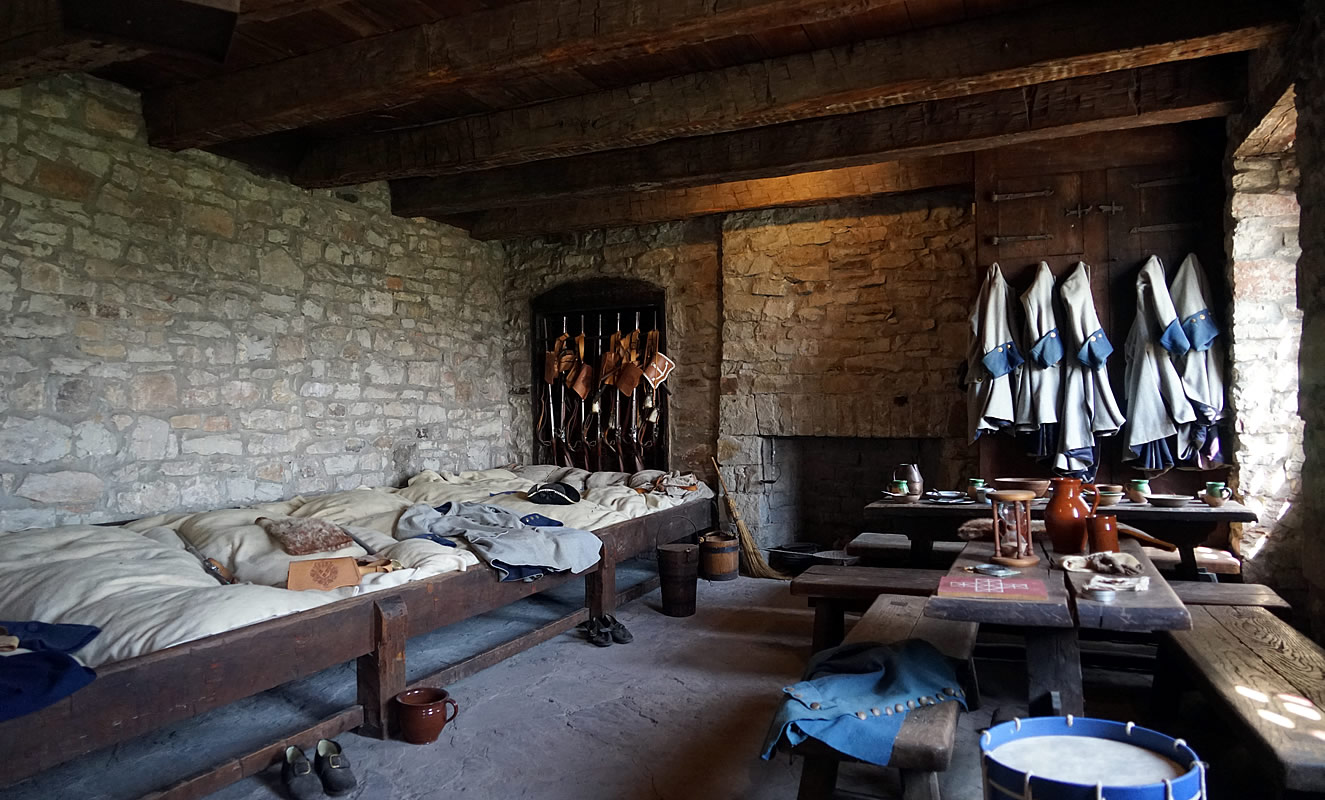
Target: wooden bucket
[(719, 557), (678, 571)]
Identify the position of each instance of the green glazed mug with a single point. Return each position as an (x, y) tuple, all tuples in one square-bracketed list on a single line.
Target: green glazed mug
[(1138, 489), (899, 486), (1218, 489)]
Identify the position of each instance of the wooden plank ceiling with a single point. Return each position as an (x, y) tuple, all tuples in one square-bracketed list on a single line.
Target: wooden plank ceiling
[(524, 116)]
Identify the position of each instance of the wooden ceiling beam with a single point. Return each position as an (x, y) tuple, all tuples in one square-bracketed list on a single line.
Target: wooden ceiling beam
[(272, 10), (1062, 40), (1163, 94), (486, 48), (47, 37), (640, 208)]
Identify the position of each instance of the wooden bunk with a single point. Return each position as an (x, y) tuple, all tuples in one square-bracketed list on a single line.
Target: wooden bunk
[(136, 696)]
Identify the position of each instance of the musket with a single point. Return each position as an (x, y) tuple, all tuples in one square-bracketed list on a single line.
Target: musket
[(550, 442), (652, 413), (595, 403), (612, 434), (560, 432), (634, 431), (579, 351)]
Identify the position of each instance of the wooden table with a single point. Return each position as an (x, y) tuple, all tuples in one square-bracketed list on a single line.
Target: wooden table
[(1187, 527), (1053, 658)]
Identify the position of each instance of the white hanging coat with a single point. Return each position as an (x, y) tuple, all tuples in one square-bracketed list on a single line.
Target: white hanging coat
[(991, 358), (1038, 379), (1088, 408), (1157, 406), (1202, 367)]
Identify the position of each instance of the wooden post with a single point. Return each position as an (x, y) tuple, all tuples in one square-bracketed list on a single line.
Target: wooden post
[(381, 673), (829, 623), (1053, 666), (600, 587)]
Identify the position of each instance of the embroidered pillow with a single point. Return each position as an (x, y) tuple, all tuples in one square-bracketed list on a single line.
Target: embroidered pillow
[(299, 537)]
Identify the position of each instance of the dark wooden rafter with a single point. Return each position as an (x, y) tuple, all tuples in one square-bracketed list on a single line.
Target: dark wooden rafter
[(639, 208), (1015, 50), (47, 37), (1268, 126), (1163, 94), (270, 10), (484, 48), (1112, 149)]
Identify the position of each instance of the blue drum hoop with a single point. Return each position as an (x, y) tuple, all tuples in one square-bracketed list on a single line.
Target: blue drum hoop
[(1001, 781)]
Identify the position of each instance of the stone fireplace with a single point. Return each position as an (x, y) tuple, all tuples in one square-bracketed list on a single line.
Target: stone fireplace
[(813, 488), (843, 329)]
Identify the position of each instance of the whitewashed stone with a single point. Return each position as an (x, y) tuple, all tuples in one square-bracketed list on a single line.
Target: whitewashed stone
[(35, 441), (62, 488)]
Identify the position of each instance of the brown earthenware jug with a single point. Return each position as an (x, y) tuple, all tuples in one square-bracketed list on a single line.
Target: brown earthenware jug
[(1065, 516), (422, 714)]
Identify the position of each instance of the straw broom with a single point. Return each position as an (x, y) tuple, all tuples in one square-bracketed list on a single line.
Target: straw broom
[(754, 560)]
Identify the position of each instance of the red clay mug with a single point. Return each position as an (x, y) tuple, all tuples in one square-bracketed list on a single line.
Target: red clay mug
[(1103, 531), (423, 714)]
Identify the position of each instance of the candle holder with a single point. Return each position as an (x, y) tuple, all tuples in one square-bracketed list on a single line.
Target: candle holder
[(1012, 528)]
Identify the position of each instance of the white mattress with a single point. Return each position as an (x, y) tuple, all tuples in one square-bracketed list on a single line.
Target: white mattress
[(146, 592)]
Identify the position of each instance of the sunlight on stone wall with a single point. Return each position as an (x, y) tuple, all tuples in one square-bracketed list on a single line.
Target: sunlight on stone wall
[(1267, 327)]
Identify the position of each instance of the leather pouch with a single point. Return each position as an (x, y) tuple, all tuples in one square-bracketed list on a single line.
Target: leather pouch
[(581, 381), (628, 378), (332, 573)]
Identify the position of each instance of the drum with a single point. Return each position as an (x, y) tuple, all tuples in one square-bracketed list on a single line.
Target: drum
[(1067, 758)]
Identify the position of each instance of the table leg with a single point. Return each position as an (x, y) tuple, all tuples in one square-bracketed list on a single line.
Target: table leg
[(1187, 569), (1053, 672), (922, 548), (829, 623)]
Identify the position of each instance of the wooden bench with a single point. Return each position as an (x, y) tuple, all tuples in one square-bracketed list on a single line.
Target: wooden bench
[(1266, 676), (894, 549), (925, 743), (1219, 562), (834, 590), (1204, 593)]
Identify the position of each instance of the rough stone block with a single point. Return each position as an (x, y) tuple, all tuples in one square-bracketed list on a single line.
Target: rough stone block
[(62, 488)]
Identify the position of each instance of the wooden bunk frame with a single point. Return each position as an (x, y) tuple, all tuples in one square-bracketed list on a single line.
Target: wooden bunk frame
[(133, 697)]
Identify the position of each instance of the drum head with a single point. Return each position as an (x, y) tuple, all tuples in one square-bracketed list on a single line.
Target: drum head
[(1087, 760)]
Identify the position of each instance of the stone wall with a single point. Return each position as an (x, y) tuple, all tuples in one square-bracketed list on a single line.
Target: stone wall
[(845, 320), (1267, 326), (1311, 299), (680, 257), (179, 333)]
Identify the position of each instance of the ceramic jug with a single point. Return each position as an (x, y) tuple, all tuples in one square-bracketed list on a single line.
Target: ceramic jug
[(1065, 516), (911, 474)]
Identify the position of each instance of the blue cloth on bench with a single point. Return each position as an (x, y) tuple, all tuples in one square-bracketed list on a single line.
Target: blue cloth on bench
[(851, 695)]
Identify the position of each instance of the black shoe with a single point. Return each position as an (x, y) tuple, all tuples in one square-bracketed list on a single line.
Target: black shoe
[(297, 776), (333, 768), (615, 629), (597, 635)]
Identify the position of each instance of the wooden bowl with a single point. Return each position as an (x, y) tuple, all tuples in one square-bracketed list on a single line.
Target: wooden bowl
[(1110, 498), (1038, 485), (1169, 500)]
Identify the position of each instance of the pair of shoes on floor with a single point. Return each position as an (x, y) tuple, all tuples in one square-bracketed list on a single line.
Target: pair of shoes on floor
[(602, 631), (329, 773)]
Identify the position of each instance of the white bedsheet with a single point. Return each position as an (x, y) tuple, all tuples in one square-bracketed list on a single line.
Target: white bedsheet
[(146, 592)]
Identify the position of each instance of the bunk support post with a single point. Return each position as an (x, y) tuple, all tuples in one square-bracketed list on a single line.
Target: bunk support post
[(381, 673)]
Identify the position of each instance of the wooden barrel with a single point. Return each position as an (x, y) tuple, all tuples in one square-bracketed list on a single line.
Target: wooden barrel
[(719, 557), (678, 570)]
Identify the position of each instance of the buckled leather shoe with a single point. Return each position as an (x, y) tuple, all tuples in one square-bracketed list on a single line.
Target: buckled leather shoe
[(615, 629), (597, 634), (297, 776), (333, 768)]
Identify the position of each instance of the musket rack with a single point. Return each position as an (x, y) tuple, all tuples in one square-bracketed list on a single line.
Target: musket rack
[(582, 420)]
